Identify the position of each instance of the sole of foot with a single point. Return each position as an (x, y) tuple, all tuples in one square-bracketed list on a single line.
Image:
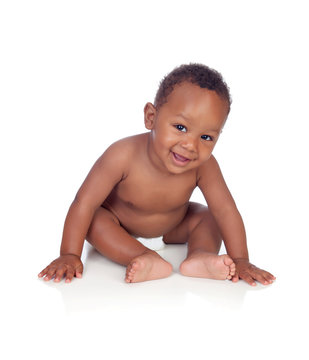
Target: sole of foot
[(147, 267), (209, 266)]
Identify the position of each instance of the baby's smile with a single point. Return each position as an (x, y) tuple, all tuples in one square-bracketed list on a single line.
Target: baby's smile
[(179, 159)]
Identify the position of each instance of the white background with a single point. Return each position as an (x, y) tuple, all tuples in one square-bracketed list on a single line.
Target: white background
[(74, 77)]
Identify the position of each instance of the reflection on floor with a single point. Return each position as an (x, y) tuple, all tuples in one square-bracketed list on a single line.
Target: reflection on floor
[(178, 317)]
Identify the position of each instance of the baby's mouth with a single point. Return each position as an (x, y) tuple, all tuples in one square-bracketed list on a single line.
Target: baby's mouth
[(180, 159)]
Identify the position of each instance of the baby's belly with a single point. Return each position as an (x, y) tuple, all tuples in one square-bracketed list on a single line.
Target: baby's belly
[(147, 225)]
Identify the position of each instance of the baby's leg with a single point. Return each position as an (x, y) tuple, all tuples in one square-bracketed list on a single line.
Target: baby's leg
[(200, 230), (114, 242)]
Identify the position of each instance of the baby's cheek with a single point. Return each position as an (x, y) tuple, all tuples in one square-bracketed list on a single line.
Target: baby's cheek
[(205, 156)]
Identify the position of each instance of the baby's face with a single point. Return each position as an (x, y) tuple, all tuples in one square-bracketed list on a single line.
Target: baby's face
[(186, 128)]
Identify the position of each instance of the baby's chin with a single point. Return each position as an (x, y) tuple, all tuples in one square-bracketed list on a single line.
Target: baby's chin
[(179, 171)]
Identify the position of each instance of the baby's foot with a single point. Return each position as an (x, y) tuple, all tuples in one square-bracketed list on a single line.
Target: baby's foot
[(208, 265), (147, 267)]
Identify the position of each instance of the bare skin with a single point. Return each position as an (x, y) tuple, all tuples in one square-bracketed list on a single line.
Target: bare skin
[(141, 187)]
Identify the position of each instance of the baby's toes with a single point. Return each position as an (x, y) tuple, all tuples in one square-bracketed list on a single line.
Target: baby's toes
[(232, 269), (227, 260), (231, 265), (130, 272)]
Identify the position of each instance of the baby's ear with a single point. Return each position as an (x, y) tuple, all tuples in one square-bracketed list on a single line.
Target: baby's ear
[(149, 115)]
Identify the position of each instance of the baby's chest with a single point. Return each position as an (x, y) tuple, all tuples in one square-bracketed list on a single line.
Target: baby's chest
[(155, 195)]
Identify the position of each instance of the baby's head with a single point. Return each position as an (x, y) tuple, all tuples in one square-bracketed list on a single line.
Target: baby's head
[(187, 117), (198, 74)]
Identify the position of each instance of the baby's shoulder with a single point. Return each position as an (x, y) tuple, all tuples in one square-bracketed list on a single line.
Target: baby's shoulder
[(127, 146), (123, 150), (209, 168), (119, 155)]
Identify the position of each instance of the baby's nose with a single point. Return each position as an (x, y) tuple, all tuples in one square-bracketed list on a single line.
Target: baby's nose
[(190, 144)]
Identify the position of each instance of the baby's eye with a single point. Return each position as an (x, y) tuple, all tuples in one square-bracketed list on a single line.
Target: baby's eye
[(180, 128), (207, 137)]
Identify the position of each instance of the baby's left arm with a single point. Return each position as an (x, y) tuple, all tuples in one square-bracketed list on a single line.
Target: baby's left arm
[(223, 207)]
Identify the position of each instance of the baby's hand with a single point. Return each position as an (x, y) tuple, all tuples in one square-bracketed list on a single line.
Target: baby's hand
[(250, 273), (65, 265)]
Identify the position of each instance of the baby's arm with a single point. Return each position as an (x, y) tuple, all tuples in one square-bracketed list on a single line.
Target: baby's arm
[(223, 208), (101, 179)]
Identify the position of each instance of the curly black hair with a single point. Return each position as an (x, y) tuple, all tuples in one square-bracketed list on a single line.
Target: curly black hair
[(198, 74)]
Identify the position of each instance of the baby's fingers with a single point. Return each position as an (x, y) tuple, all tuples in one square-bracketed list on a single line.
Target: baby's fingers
[(235, 278), (260, 278), (268, 276), (59, 273), (50, 273), (43, 272), (69, 275), (79, 271), (248, 278), (264, 277)]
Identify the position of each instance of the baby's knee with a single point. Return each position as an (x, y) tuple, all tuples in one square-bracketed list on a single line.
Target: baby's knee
[(101, 218), (197, 213)]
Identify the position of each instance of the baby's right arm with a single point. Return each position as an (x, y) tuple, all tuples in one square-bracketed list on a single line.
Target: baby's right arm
[(108, 170)]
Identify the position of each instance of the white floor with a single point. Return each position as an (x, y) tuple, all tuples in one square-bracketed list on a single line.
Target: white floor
[(175, 317)]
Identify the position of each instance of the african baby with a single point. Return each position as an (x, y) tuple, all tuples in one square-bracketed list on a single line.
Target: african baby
[(141, 187)]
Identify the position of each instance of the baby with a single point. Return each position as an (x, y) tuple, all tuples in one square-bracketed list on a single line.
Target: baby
[(141, 187)]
